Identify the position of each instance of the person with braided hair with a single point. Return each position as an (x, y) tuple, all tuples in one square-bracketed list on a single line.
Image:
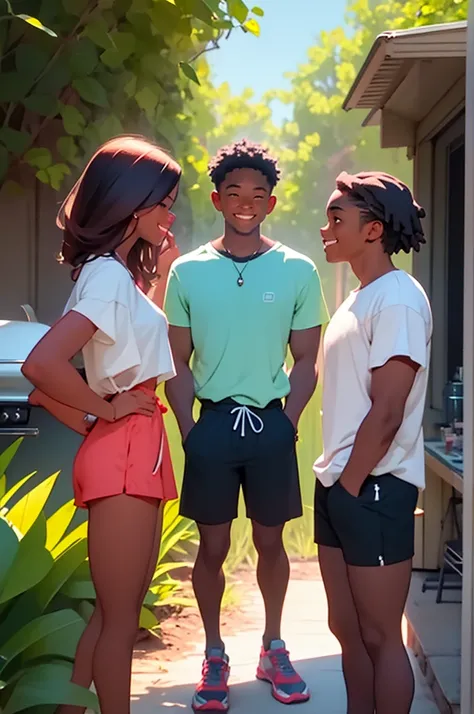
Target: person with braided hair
[(376, 356)]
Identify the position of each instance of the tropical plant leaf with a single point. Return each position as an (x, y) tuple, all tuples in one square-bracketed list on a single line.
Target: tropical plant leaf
[(78, 533), (43, 636), (65, 566), (14, 489), (47, 684), (148, 619), (8, 549), (25, 513), (7, 456), (79, 590), (32, 562), (58, 523)]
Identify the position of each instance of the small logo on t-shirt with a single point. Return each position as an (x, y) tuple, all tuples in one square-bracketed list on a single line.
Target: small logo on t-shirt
[(268, 297)]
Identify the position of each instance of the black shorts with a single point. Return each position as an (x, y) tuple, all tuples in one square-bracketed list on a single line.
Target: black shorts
[(376, 528), (219, 459)]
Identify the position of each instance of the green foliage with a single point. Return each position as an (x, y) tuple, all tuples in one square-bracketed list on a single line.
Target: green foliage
[(101, 69), (46, 594), (39, 629)]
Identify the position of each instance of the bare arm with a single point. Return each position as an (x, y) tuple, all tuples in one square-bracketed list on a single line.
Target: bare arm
[(70, 417), (304, 346), (180, 390), (391, 386), (48, 367)]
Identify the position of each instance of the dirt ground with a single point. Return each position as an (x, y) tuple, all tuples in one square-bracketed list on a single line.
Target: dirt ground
[(180, 629)]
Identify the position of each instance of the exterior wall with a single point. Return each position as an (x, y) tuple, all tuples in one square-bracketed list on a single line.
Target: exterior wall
[(29, 273), (428, 267)]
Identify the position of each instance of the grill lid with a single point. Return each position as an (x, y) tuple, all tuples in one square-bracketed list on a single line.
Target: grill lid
[(17, 339)]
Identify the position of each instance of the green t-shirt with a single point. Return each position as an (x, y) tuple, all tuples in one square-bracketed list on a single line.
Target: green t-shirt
[(241, 334)]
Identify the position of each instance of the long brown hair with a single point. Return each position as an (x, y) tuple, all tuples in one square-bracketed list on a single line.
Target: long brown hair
[(126, 174)]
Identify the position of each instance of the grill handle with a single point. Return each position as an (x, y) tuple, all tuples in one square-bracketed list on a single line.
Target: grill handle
[(30, 313), (19, 431)]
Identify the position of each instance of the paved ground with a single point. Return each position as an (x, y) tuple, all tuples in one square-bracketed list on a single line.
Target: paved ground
[(167, 686)]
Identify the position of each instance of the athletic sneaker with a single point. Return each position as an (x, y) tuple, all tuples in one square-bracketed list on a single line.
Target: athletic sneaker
[(212, 692), (275, 667)]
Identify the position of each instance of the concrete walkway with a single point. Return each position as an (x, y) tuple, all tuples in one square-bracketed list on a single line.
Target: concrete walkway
[(168, 686)]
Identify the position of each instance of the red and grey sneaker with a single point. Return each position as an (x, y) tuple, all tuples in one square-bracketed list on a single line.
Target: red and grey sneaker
[(212, 692), (275, 667)]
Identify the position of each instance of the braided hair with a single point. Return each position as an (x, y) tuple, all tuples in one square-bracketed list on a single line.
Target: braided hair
[(243, 154), (381, 197)]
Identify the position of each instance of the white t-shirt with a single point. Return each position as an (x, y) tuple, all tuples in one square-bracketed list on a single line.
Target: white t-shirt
[(131, 343), (390, 317)]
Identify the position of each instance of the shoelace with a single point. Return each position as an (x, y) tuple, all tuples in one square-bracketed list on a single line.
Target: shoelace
[(211, 671), (245, 414), (281, 661)]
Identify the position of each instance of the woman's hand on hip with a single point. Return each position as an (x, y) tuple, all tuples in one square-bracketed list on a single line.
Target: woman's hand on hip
[(133, 402)]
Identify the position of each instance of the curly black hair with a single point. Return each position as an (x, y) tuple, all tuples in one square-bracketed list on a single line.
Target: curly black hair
[(381, 197), (243, 154)]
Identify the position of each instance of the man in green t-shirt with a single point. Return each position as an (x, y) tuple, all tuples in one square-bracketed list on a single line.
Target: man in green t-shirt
[(234, 306)]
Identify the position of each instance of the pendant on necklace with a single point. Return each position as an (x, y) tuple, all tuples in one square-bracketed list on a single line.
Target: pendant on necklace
[(240, 281)]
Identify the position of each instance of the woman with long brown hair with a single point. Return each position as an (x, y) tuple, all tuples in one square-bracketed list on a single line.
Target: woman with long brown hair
[(115, 222)]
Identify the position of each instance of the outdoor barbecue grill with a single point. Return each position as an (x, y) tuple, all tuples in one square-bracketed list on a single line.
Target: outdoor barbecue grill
[(17, 339)]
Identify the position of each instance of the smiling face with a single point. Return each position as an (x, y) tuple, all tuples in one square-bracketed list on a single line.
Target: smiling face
[(244, 199), (154, 223), (346, 236)]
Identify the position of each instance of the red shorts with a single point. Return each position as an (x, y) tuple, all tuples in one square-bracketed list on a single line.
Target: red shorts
[(130, 456)]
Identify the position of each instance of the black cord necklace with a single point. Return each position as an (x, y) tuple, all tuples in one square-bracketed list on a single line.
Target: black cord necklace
[(240, 280)]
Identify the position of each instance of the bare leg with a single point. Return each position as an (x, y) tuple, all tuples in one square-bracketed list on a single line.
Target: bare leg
[(208, 578), (125, 525), (82, 671), (344, 624), (380, 595), (273, 574)]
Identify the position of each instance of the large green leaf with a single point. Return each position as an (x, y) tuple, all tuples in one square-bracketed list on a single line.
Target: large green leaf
[(14, 140), (67, 148), (74, 122), (42, 636), (7, 456), (30, 59), (3, 479), (79, 590), (124, 46), (148, 619), (78, 533), (58, 524), (32, 562), (83, 57), (14, 86), (38, 157), (5, 500), (55, 79), (43, 104), (91, 91), (164, 568), (8, 549), (64, 567), (47, 684), (24, 513)]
